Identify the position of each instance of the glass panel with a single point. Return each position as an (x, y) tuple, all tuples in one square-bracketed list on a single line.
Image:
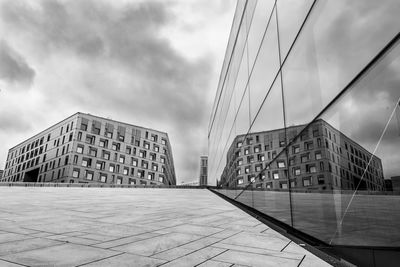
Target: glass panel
[(265, 68), (361, 144), (338, 40)]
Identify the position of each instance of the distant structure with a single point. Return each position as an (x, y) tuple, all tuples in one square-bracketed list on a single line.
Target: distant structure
[(203, 170), (88, 149), (388, 185), (191, 183), (396, 183), (1, 174), (322, 158)]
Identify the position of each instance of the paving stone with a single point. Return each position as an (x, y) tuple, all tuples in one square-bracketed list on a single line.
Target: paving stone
[(173, 253), (194, 229), (264, 241), (195, 258), (9, 264), (8, 237), (126, 240), (61, 255), (211, 263), (127, 260), (157, 244), (255, 260), (27, 244)]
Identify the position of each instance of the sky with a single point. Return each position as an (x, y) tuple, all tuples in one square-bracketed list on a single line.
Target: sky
[(154, 64)]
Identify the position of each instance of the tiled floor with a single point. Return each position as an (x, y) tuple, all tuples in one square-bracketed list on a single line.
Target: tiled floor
[(136, 227)]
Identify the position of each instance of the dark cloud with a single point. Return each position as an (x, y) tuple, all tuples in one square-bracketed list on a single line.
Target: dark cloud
[(112, 61), (13, 67)]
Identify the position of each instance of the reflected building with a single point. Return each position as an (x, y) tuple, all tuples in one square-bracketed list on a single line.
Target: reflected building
[(395, 183), (88, 149), (321, 158)]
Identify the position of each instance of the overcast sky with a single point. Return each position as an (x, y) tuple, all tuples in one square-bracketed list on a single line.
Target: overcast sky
[(150, 63)]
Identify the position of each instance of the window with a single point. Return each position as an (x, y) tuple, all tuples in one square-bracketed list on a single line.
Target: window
[(315, 132), (156, 148), (154, 138), (126, 171), (75, 173), (296, 149), (86, 162), (154, 167), (292, 161), (140, 173), (275, 175), (252, 179), (257, 149), (247, 170), (308, 145), (112, 168), (153, 156), (305, 158), (89, 175), (145, 164), (121, 159), (84, 125), (100, 165), (103, 177), (90, 139), (162, 159), (261, 157), (128, 150), (142, 154), (163, 141), (93, 152), (116, 146), (150, 176), (106, 155), (119, 180), (258, 168), (321, 179), (161, 179), (283, 185), (239, 144), (246, 151), (296, 171), (307, 181), (281, 164), (75, 160), (146, 145), (240, 162), (132, 181), (240, 181), (311, 169), (134, 162), (79, 149), (103, 143)]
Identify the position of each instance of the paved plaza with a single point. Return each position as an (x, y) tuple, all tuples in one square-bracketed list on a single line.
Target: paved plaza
[(136, 227)]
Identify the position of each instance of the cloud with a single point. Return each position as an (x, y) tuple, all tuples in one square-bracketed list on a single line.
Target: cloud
[(114, 59), (14, 69)]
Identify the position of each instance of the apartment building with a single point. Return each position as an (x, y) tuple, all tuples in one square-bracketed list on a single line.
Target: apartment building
[(84, 148), (318, 157)]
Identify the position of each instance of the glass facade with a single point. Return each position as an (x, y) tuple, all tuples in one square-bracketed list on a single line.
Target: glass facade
[(306, 118)]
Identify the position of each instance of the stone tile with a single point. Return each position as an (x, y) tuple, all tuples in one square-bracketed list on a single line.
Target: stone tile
[(41, 234), (211, 263), (311, 261), (157, 244), (97, 237), (8, 264), (201, 243), (62, 255), (264, 241), (255, 260), (127, 260), (7, 237), (173, 253), (225, 234), (126, 240), (195, 258), (194, 229), (27, 244)]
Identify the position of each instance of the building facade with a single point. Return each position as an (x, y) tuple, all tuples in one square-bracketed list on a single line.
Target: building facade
[(1, 174), (88, 149), (321, 158), (395, 183), (203, 170)]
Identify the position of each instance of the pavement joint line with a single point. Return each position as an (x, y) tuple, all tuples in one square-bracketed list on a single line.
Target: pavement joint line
[(212, 257), (301, 261), (33, 249), (83, 264), (263, 231), (13, 262), (286, 245)]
